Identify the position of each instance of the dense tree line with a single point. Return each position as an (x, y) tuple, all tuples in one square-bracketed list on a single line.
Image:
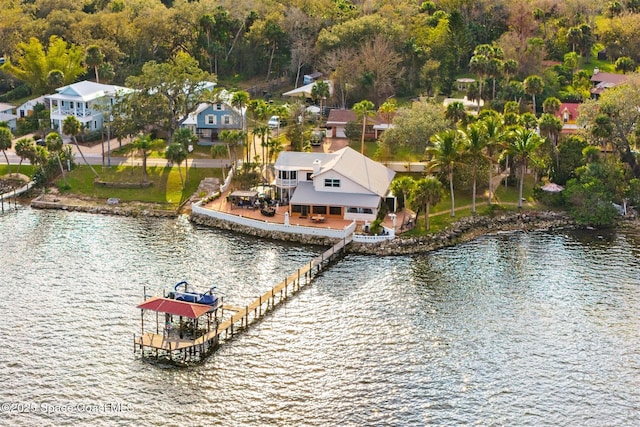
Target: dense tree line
[(371, 50)]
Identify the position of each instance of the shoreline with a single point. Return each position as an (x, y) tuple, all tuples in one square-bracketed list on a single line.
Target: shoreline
[(464, 230)]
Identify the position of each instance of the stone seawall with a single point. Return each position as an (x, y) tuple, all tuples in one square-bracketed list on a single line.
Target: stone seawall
[(133, 210), (463, 230), (467, 229), (290, 237)]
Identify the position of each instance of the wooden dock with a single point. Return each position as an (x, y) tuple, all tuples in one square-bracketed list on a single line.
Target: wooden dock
[(229, 320)]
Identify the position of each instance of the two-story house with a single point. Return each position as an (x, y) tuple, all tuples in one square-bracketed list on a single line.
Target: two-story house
[(344, 184), (86, 100), (208, 120), (7, 116)]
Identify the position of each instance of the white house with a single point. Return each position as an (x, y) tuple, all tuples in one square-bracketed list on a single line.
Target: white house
[(6, 115), (84, 100), (344, 184), (26, 109)]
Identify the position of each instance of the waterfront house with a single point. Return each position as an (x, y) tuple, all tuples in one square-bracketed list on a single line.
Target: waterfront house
[(344, 184), (7, 116), (85, 100)]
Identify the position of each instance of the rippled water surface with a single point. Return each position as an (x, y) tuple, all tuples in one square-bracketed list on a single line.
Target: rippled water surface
[(522, 329)]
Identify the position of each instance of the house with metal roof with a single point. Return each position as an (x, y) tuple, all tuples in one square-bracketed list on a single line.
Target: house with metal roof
[(7, 116), (603, 81), (85, 100), (209, 119), (344, 184)]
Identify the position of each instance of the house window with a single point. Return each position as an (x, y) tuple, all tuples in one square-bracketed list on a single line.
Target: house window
[(335, 183), (320, 210), (335, 210), (210, 119), (565, 117), (287, 174), (296, 208), (360, 210), (309, 174), (70, 104), (226, 120), (218, 107)]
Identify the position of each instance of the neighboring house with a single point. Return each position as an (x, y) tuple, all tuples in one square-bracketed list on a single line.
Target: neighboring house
[(604, 81), (568, 115), (6, 115), (84, 100), (344, 184), (26, 109), (338, 119), (208, 120)]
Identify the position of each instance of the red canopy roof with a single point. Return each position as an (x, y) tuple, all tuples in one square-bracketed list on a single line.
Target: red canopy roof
[(171, 306)]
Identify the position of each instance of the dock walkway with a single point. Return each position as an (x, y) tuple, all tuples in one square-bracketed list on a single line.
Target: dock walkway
[(237, 319)]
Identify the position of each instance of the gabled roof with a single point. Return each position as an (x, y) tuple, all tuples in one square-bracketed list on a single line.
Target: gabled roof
[(305, 194), (5, 107), (571, 108), (87, 90), (371, 175), (600, 77)]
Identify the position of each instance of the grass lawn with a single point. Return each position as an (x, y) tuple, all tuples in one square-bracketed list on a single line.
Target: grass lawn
[(166, 189), (506, 199), (24, 169), (370, 147)]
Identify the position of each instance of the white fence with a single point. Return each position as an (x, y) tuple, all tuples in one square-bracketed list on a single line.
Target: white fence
[(389, 234), (332, 233)]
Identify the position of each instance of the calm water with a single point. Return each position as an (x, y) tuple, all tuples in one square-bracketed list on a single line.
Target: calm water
[(522, 329)]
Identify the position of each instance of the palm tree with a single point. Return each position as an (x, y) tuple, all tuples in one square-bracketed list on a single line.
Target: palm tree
[(25, 149), (143, 144), (71, 126), (54, 144), (93, 59), (533, 85), (387, 110), (239, 100), (364, 109), (625, 64), (262, 131), (229, 136), (427, 193), (404, 185), (550, 126), (475, 138), (456, 112), (319, 92), (551, 105), (493, 129), (186, 138), (176, 153), (522, 145), (445, 154), (6, 138)]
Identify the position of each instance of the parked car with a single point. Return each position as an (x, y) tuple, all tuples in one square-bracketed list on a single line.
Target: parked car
[(40, 142), (274, 122), (316, 137)]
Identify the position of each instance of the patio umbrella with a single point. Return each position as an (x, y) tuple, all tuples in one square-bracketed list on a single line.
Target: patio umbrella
[(552, 188)]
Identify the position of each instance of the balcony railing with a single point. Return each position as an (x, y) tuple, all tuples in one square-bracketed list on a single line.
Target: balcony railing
[(286, 183)]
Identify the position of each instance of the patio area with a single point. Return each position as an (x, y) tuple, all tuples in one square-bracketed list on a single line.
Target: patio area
[(221, 204)]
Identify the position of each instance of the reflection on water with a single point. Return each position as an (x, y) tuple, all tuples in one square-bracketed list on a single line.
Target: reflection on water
[(522, 329)]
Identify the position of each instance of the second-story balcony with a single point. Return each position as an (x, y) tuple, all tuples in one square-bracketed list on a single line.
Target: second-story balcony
[(286, 183), (55, 113)]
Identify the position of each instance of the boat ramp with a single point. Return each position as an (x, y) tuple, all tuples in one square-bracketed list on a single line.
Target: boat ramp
[(203, 328)]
